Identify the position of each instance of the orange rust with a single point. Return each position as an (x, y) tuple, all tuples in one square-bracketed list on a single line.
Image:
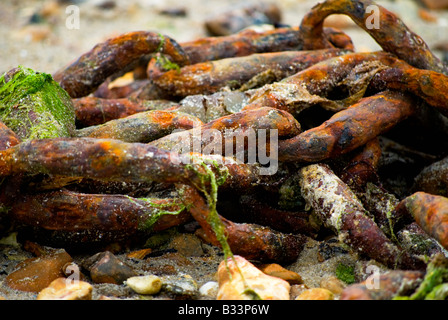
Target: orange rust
[(110, 155), (392, 35), (430, 212), (429, 85), (92, 68), (7, 137), (348, 129), (209, 77)]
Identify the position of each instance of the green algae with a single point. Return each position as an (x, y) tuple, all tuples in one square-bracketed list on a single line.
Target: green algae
[(162, 59), (345, 273), (435, 282), (158, 210), (209, 183), (34, 106)]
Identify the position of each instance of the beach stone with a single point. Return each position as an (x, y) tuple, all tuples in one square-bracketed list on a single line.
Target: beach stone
[(296, 290), (65, 289), (187, 244), (105, 267), (276, 270), (209, 289), (149, 284), (182, 286), (333, 284), (232, 285), (316, 294), (240, 17), (436, 4), (35, 274)]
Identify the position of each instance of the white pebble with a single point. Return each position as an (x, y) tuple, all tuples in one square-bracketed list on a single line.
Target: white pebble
[(209, 289), (145, 284)]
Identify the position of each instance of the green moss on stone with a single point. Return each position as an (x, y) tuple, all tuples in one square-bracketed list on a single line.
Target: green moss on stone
[(158, 210), (345, 273), (34, 106), (433, 286)]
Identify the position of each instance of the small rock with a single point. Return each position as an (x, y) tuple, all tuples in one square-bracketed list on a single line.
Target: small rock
[(107, 4), (209, 289), (183, 286), (427, 15), (35, 274), (241, 17), (187, 244), (50, 9), (34, 33), (232, 285), (296, 290), (174, 12), (104, 267), (65, 289), (333, 284), (329, 249), (149, 284), (316, 294), (436, 4), (278, 271)]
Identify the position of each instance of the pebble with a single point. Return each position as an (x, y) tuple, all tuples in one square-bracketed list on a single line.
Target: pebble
[(316, 294), (240, 17), (426, 15), (187, 244), (65, 289), (296, 290), (105, 267), (35, 274), (149, 284), (33, 33), (174, 12), (333, 284), (436, 4), (209, 289), (232, 285), (182, 286), (278, 271)]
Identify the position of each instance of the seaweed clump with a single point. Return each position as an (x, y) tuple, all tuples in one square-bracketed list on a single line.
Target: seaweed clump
[(34, 106)]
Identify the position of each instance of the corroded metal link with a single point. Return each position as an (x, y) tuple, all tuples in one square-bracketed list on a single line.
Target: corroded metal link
[(392, 34)]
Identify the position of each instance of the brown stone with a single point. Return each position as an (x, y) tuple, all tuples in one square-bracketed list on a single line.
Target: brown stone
[(105, 267), (333, 284), (316, 294), (187, 244), (35, 274), (276, 270), (296, 290), (436, 4), (66, 289)]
